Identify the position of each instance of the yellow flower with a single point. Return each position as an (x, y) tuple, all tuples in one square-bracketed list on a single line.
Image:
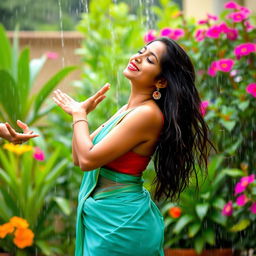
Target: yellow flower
[(17, 149), (23, 237), (6, 229), (19, 222)]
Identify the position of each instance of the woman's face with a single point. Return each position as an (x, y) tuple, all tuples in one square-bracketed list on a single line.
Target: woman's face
[(144, 67)]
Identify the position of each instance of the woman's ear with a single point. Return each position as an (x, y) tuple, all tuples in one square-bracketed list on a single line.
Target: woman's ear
[(161, 83)]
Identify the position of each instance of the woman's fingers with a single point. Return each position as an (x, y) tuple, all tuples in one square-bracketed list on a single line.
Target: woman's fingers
[(99, 99), (10, 129), (102, 91), (23, 126)]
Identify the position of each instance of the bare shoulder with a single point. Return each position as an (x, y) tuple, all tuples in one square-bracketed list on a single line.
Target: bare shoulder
[(148, 115)]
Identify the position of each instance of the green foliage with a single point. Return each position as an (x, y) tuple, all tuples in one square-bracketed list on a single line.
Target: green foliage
[(200, 211), (26, 190), (112, 36), (17, 77)]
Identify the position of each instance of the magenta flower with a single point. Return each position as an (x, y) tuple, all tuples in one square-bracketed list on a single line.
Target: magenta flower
[(248, 25), (52, 55), (251, 88), (178, 33), (232, 33), (241, 200), (150, 36), (223, 27), (231, 5), (203, 106), (200, 34), (201, 22), (213, 32), (212, 71), (244, 49), (212, 17), (225, 65), (253, 208), (244, 10), (243, 183), (227, 209), (174, 34), (39, 154), (238, 16)]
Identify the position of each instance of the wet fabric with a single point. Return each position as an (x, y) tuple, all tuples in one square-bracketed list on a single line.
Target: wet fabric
[(115, 214)]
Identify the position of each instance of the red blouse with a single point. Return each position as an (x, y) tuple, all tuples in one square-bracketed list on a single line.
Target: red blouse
[(130, 163)]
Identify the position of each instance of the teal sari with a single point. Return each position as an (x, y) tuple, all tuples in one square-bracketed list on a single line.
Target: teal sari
[(120, 219)]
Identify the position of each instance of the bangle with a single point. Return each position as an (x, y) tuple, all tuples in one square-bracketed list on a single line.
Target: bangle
[(79, 120)]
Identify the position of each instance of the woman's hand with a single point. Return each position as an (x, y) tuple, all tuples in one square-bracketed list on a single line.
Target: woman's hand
[(70, 106), (18, 138)]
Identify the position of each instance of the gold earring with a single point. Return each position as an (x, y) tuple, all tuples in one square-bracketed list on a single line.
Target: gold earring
[(156, 94)]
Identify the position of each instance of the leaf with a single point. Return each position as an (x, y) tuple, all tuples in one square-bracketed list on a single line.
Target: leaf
[(243, 105), (182, 222), (199, 244), (217, 217), (241, 225), (209, 236), (229, 125), (193, 229), (218, 203), (35, 67), (233, 172), (201, 210), (49, 87), (5, 51), (64, 205), (23, 78)]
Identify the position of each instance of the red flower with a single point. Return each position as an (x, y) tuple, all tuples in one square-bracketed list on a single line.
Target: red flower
[(175, 212)]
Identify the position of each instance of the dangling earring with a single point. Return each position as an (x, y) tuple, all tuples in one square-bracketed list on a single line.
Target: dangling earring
[(156, 94)]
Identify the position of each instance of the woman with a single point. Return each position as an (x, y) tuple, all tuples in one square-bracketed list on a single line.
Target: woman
[(116, 215), (8, 133)]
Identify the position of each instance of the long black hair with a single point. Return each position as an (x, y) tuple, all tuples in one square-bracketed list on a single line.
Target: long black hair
[(184, 141)]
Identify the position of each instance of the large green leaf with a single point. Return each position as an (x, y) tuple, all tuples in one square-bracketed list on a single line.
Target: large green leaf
[(199, 244), (209, 236), (201, 210), (5, 51), (182, 222), (9, 98), (49, 87), (193, 229), (35, 67), (64, 205), (23, 78), (241, 225)]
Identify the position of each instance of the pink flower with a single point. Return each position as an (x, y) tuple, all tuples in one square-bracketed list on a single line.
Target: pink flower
[(244, 49), (200, 34), (248, 26), (201, 22), (251, 88), (253, 208), (223, 27), (232, 33), (231, 5), (233, 73), (174, 34), (243, 183), (212, 71), (241, 200), (52, 55), (203, 106), (39, 154), (244, 10), (178, 33), (150, 36), (227, 209), (238, 16), (225, 65), (212, 17), (213, 32)]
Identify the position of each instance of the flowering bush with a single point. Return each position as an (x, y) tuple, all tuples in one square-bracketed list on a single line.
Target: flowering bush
[(23, 236), (241, 211)]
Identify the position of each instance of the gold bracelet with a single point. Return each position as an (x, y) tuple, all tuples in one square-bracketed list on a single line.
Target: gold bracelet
[(79, 120)]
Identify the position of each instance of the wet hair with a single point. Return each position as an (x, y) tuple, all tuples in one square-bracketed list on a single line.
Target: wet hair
[(184, 141)]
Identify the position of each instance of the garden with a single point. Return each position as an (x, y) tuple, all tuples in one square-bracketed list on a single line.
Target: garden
[(39, 183)]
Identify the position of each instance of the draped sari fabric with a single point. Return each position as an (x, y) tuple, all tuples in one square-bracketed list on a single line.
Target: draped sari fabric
[(118, 218)]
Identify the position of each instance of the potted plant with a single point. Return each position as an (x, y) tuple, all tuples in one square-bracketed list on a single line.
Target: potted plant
[(195, 221)]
